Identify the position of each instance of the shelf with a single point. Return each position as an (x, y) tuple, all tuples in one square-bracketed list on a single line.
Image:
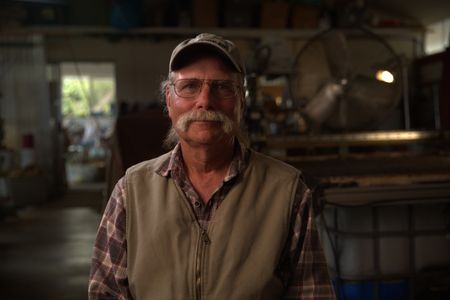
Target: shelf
[(377, 138), (246, 33)]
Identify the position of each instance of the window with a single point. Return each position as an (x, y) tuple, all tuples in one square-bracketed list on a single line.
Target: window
[(437, 37), (87, 89)]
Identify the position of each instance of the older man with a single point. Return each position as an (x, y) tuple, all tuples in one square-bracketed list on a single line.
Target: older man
[(211, 219)]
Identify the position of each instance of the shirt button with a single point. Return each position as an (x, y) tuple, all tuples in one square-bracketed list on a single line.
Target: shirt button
[(197, 204)]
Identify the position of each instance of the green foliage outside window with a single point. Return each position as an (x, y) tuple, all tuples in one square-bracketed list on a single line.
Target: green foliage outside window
[(84, 96)]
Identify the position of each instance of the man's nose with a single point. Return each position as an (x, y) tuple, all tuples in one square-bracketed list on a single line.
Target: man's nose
[(205, 98)]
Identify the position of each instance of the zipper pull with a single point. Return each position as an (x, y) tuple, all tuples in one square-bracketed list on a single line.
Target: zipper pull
[(205, 237)]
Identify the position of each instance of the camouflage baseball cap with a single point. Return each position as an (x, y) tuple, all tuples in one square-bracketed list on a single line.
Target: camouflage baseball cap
[(223, 47)]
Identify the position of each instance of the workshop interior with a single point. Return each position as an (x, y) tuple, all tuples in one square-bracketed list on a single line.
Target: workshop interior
[(355, 93)]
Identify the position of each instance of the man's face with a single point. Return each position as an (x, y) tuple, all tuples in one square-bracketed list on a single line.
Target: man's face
[(194, 129)]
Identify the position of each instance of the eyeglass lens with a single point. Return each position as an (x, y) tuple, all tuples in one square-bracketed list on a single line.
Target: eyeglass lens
[(189, 88)]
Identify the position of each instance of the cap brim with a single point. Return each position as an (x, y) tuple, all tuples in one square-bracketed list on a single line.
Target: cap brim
[(183, 54)]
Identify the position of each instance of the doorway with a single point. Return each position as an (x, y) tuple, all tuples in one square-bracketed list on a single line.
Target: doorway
[(88, 111)]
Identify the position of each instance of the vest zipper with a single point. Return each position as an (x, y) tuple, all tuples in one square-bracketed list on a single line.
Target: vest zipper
[(203, 243)]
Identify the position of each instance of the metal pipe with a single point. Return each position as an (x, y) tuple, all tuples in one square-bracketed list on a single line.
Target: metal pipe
[(436, 107), (406, 110)]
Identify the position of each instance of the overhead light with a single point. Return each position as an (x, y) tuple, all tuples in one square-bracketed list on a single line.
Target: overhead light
[(385, 76)]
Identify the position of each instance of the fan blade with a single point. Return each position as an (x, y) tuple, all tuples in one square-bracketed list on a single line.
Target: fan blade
[(337, 53), (376, 94), (364, 101), (311, 71)]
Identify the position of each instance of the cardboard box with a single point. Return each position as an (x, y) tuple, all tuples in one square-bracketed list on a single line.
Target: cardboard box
[(305, 17), (205, 13), (274, 14)]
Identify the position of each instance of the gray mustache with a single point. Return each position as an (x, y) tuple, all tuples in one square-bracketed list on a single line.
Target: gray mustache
[(204, 115)]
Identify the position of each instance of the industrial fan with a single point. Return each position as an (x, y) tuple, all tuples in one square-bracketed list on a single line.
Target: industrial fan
[(346, 80)]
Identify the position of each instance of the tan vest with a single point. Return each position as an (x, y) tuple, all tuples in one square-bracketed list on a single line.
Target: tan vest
[(170, 257)]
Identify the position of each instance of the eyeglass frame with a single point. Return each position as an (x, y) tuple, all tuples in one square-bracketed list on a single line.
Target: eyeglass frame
[(237, 87)]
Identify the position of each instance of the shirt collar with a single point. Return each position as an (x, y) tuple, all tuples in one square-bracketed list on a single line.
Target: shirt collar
[(174, 162)]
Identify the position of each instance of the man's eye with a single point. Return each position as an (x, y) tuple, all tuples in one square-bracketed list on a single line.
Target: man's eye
[(189, 86), (224, 86)]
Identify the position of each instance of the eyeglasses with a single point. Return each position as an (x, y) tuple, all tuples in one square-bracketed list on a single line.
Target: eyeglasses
[(191, 88)]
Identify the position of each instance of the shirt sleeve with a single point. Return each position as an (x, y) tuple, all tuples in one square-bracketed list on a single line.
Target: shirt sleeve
[(308, 276), (108, 276)]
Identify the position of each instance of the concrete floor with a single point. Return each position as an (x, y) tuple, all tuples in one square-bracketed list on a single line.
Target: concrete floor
[(45, 250)]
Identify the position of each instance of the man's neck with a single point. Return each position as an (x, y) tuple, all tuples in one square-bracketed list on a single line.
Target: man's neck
[(207, 158), (207, 166)]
